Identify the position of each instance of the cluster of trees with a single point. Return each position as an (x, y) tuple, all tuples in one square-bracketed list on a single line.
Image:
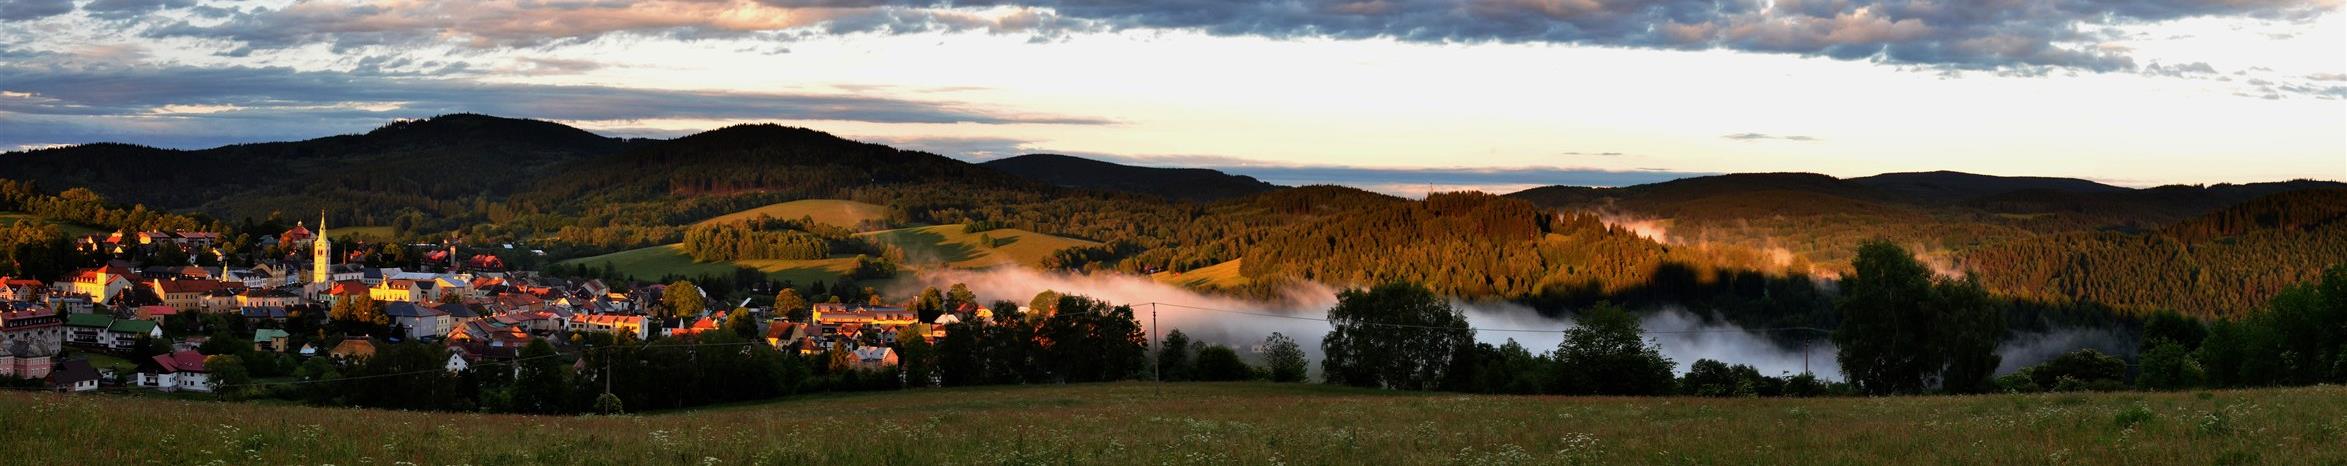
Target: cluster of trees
[(1904, 330), (763, 238), (1075, 339)]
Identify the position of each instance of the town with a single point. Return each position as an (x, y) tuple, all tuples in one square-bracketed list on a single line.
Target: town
[(166, 325)]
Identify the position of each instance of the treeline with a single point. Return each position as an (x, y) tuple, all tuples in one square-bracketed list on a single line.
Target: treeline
[(2223, 265)]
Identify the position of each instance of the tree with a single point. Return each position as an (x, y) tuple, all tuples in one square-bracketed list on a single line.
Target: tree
[(1217, 363), (1091, 341), (2168, 366), (358, 310), (958, 295), (1397, 335), (543, 380), (1173, 357), (1043, 306), (1969, 326), (789, 305), (1606, 354), (741, 324), (915, 356), (229, 377), (1901, 331), (683, 299), (1283, 358), (929, 305)]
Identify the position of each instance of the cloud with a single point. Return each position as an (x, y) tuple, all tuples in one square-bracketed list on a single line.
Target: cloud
[(2187, 70), (26, 10), (1592, 154), (94, 100), (2001, 35), (1765, 137)]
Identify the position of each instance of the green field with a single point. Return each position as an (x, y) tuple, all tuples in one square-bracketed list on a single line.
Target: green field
[(954, 246), (1237, 423), (1223, 275), (372, 233), (653, 262), (843, 214), (69, 229)]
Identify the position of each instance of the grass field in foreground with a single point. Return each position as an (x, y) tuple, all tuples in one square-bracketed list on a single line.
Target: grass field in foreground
[(1246, 423), (654, 262), (843, 214), (954, 246)]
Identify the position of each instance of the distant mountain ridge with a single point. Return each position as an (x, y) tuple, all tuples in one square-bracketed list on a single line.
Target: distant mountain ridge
[(1189, 184)]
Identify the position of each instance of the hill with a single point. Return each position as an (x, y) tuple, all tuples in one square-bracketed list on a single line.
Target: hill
[(1949, 187), (1217, 423), (955, 246), (1188, 184), (838, 213), (367, 177)]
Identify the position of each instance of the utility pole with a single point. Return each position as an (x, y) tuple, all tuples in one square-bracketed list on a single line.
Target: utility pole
[(1156, 344)]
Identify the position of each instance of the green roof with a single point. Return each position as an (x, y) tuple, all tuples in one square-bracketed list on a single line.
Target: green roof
[(269, 334), (88, 320), (132, 326)]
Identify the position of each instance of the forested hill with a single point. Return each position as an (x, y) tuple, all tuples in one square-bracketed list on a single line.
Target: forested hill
[(408, 164), (487, 179), (2225, 263), (1955, 187), (1190, 184)]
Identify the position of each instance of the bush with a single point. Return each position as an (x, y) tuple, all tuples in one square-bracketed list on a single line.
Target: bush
[(1217, 363)]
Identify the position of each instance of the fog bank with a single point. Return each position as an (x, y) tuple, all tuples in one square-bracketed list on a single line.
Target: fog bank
[(1684, 336)]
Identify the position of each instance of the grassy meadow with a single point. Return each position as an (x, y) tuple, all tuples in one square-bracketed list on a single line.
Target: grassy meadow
[(1236, 423), (70, 229), (843, 214), (1222, 275), (954, 246)]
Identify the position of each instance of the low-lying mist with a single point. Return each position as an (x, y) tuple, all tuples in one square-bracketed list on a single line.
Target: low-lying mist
[(1684, 336)]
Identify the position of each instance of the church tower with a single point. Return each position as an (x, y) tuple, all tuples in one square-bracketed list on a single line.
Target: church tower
[(322, 253)]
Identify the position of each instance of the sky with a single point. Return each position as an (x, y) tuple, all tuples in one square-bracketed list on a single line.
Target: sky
[(1401, 96)]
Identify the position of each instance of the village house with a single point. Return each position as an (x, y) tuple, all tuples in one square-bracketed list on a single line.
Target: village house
[(154, 314), (612, 324), (270, 340), (875, 357), (183, 294), (74, 375), (106, 332), (420, 321), (180, 370), (404, 290), (30, 336), (101, 284)]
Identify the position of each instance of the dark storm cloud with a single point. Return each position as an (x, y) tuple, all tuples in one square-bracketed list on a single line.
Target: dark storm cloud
[(140, 98), (1997, 34), (120, 9), (20, 10)]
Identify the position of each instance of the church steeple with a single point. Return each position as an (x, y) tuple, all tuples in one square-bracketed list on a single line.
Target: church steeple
[(322, 254)]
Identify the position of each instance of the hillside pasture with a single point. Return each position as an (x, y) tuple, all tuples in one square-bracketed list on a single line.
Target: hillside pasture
[(1218, 276), (955, 246), (839, 213)]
